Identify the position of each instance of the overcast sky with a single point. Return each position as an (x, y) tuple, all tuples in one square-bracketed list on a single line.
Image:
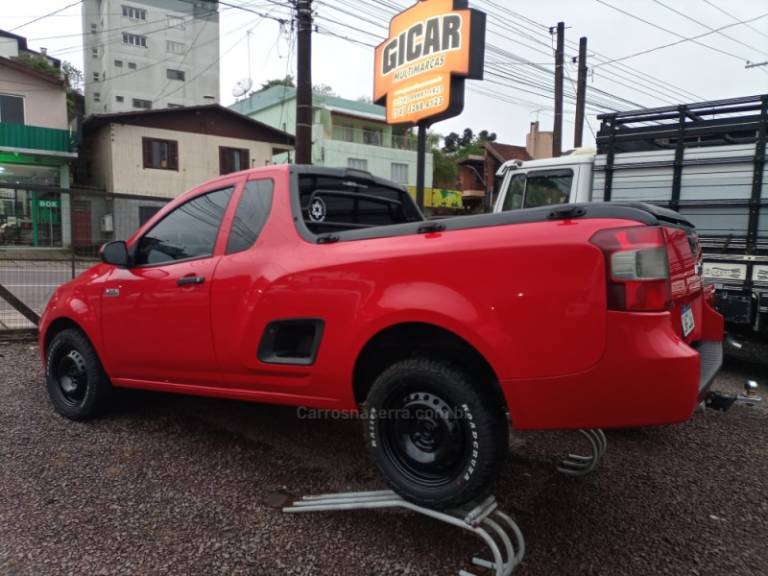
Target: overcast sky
[(520, 46)]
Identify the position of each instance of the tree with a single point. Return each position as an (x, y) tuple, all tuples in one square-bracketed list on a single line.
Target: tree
[(323, 90), (468, 143), (287, 81), (365, 99)]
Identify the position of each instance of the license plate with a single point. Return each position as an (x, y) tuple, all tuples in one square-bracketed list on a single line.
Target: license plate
[(687, 319)]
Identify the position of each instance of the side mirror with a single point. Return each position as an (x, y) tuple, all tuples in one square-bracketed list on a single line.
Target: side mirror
[(115, 253)]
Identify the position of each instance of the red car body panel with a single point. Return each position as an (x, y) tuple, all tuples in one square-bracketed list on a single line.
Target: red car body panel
[(529, 297)]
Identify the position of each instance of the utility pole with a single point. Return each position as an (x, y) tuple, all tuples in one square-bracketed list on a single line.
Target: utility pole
[(304, 82), (581, 93), (557, 136)]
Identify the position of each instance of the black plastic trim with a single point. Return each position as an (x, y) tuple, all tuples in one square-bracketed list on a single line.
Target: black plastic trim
[(266, 351)]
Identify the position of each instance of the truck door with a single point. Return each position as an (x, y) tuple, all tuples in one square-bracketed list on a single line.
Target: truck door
[(537, 188), (156, 317)]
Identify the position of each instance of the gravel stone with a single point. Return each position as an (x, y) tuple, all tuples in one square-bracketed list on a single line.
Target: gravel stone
[(190, 486)]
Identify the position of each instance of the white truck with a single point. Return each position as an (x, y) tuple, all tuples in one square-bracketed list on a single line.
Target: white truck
[(704, 160)]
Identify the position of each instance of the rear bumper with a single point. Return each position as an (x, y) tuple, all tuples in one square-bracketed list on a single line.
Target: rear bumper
[(647, 376)]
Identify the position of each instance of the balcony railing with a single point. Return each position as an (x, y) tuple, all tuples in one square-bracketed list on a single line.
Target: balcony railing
[(374, 138), (36, 138)]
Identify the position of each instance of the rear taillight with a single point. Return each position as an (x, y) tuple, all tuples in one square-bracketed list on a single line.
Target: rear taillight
[(637, 268)]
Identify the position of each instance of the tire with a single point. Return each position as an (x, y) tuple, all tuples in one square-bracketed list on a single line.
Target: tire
[(438, 440), (78, 387)]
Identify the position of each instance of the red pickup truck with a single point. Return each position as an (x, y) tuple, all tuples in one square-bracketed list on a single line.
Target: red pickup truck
[(326, 288)]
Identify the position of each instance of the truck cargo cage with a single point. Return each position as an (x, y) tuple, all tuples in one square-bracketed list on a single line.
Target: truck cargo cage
[(484, 519)]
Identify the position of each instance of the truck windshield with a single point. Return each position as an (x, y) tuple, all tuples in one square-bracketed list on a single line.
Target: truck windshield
[(540, 188), (335, 204)]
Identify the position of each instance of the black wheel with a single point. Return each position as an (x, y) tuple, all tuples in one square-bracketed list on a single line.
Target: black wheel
[(437, 438), (77, 385)]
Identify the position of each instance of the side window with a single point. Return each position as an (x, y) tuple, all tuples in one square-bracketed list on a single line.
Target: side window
[(189, 231), (514, 198), (547, 188), (251, 215)]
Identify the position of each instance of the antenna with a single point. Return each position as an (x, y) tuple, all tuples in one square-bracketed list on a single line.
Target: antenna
[(242, 87)]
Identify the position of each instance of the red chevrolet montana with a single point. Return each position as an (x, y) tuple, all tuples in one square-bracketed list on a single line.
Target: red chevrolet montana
[(326, 288)]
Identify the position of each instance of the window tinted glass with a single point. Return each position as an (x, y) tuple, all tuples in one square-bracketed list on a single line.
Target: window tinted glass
[(514, 198), (331, 204), (11, 109), (546, 188), (252, 212), (188, 232)]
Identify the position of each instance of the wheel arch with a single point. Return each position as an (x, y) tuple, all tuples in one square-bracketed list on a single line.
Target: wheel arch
[(59, 325), (411, 339)]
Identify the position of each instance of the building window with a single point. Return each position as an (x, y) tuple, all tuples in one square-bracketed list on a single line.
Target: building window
[(119, 98), (97, 96), (233, 160), (132, 65), (94, 27), (118, 63), (175, 47), (11, 109), (399, 173), (95, 76), (134, 13), (172, 74), (134, 40), (357, 163), (345, 133), (160, 154), (372, 136), (95, 52), (176, 22), (142, 104)]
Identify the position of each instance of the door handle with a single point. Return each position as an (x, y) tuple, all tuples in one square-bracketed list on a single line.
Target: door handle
[(190, 280)]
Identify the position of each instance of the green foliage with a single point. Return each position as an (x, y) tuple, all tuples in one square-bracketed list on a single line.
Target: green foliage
[(39, 64), (444, 170), (287, 81), (468, 143), (323, 90)]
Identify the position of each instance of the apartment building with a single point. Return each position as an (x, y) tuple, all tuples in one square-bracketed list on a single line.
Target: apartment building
[(149, 54)]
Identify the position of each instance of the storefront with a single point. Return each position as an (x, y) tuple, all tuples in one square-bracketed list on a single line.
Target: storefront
[(32, 206)]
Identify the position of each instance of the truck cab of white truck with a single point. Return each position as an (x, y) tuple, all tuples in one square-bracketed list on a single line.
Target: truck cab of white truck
[(704, 160)]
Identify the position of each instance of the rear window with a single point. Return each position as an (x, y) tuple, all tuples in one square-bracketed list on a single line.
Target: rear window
[(336, 204)]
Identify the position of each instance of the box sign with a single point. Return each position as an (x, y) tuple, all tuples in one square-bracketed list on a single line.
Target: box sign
[(433, 47)]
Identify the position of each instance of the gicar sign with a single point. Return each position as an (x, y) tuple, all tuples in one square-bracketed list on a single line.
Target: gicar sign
[(420, 69)]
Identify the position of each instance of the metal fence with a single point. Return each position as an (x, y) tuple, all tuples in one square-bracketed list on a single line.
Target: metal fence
[(49, 236)]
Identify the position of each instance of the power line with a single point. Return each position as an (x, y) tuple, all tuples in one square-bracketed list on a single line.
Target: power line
[(702, 24), (46, 15), (693, 39), (648, 51), (732, 17)]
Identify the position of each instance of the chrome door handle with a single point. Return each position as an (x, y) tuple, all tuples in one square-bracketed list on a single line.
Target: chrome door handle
[(190, 280)]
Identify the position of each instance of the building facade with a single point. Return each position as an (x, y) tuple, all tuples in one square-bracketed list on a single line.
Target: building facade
[(36, 148), (344, 133), (148, 54), (140, 160)]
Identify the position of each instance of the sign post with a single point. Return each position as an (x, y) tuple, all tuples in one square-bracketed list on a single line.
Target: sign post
[(420, 69)]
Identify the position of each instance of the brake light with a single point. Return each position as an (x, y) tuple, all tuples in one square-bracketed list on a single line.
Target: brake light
[(637, 268)]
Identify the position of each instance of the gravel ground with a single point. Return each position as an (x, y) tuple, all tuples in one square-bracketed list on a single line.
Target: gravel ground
[(174, 485)]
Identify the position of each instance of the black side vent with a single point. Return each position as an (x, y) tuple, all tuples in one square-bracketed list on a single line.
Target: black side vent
[(294, 341)]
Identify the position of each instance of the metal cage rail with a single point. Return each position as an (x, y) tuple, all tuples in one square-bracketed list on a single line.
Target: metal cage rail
[(498, 530)]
